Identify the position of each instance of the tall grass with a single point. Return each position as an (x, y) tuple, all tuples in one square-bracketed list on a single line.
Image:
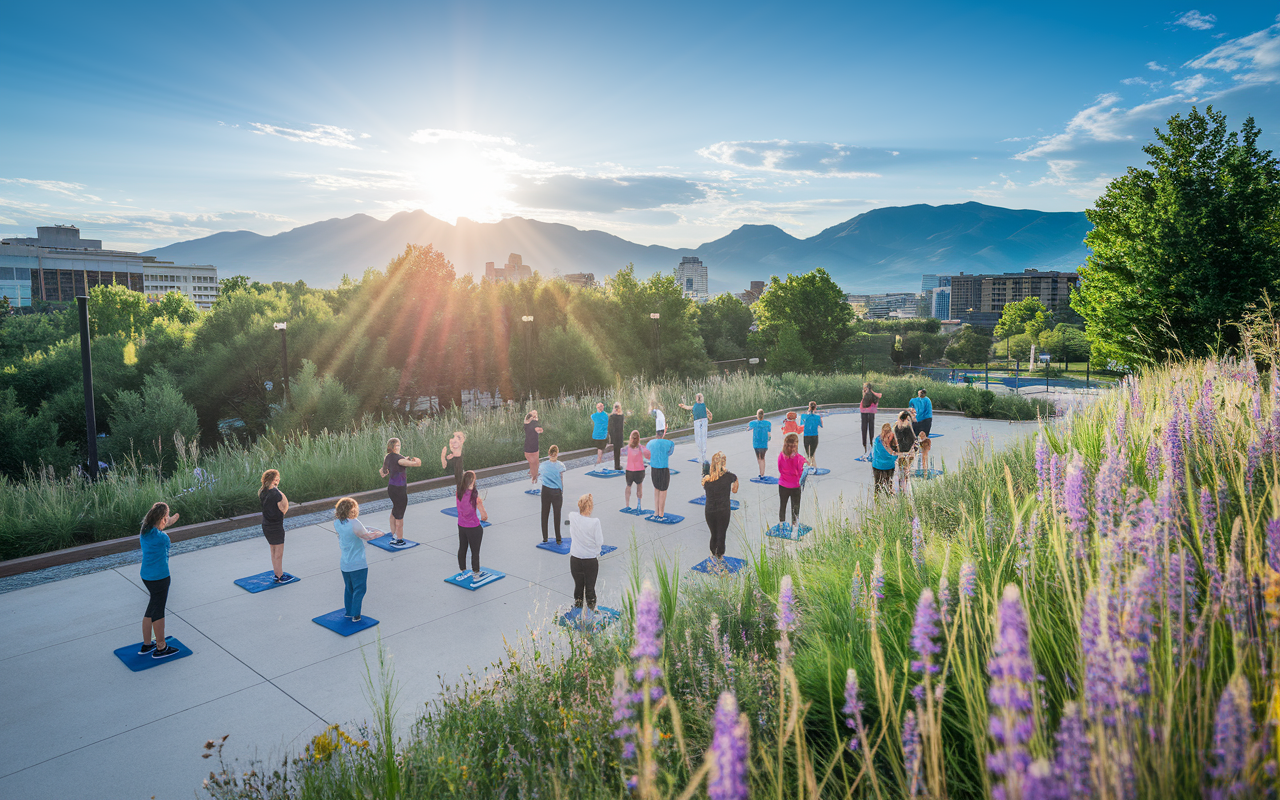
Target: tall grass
[(46, 513)]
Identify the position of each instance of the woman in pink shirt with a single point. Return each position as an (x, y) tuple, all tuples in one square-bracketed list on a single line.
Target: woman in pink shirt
[(636, 453), (791, 467), (870, 402)]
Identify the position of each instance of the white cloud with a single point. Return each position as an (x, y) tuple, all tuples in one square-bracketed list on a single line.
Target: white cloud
[(356, 179), (1253, 59), (323, 135), (437, 135), (59, 187), (1196, 21), (812, 159), (1192, 85), (1062, 174), (605, 194), (1155, 67)]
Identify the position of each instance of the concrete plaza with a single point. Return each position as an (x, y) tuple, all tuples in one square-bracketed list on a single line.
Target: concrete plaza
[(76, 723)]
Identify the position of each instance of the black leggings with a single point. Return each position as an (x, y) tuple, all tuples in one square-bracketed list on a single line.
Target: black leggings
[(718, 522), (868, 428), (469, 537), (552, 499), (810, 445), (159, 596), (399, 500), (925, 425), (617, 453), (786, 493), (584, 572)]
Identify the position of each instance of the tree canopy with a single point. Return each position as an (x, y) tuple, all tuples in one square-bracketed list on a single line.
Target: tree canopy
[(815, 305)]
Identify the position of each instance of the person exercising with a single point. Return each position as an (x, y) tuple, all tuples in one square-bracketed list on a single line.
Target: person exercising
[(760, 435), (393, 469), (701, 418), (811, 422), (660, 450)]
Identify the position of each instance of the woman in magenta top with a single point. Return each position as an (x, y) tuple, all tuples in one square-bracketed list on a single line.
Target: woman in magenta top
[(636, 453), (470, 514), (870, 402), (791, 466)]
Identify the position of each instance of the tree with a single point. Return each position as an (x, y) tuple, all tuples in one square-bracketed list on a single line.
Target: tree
[(176, 306), (148, 424), (1016, 316), (815, 305), (1179, 250), (115, 308), (789, 354), (316, 403), (1020, 347), (28, 442), (1065, 343), (969, 346), (725, 323), (236, 283)]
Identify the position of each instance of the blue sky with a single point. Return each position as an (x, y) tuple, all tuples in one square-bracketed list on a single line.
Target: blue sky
[(666, 123)]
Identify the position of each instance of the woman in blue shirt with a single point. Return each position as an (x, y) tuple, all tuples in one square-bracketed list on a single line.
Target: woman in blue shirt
[(921, 413), (352, 535), (760, 428), (884, 454), (551, 479), (660, 450), (599, 433), (811, 422), (155, 576)]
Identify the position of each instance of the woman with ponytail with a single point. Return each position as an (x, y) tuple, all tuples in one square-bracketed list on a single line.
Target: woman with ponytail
[(155, 576), (718, 483), (274, 506)]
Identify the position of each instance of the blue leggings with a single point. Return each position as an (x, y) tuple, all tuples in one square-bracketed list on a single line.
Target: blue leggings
[(355, 583)]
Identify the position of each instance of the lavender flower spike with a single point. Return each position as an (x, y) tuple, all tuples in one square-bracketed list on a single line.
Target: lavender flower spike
[(728, 754), (1077, 502), (917, 543), (853, 710), (648, 624), (1043, 478), (1012, 676), (786, 605), (968, 580), (1232, 738), (1071, 768), (911, 747), (923, 633), (1273, 544)]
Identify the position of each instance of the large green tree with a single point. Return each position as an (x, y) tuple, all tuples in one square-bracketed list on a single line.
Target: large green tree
[(815, 305), (725, 322), (1180, 249), (1021, 316)]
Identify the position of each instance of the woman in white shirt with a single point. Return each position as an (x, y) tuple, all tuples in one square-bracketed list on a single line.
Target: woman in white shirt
[(587, 537)]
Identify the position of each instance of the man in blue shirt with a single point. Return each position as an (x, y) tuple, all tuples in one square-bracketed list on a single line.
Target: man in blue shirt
[(811, 422), (921, 413), (701, 416), (599, 431), (760, 436), (660, 450)]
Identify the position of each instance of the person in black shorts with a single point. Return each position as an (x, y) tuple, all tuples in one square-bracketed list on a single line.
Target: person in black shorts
[(615, 435), (393, 469), (532, 430), (274, 506), (636, 454), (660, 449), (718, 483), (451, 457)]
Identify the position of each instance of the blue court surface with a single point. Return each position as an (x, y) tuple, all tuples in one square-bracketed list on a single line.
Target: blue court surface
[(534, 492), (636, 512), (734, 505), (709, 567), (384, 542), (563, 547), (784, 531), (927, 473), (452, 511), (605, 473), (487, 576), (137, 662), (818, 471), (767, 480), (263, 581), (667, 519), (338, 622), (602, 617)]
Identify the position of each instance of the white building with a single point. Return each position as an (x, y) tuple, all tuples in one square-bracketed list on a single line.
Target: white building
[(199, 283), (691, 275)]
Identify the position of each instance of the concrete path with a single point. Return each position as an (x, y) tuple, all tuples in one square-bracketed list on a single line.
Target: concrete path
[(75, 723)]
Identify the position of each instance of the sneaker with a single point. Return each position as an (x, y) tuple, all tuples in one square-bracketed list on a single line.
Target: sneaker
[(164, 652), (398, 542), (559, 543), (475, 576), (284, 578), (147, 648), (355, 619)]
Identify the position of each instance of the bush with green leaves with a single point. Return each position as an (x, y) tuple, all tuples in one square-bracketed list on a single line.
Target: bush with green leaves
[(151, 427)]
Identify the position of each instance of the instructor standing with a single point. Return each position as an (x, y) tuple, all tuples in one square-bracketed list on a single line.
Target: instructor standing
[(616, 436), (701, 416)]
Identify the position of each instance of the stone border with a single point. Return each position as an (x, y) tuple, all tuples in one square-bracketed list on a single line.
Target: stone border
[(84, 552)]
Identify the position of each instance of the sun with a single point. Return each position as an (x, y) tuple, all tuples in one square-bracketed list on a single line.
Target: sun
[(461, 182)]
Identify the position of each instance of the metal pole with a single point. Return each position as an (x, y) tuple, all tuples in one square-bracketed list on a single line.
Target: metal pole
[(1017, 368), (86, 364), (986, 372), (284, 357), (1087, 364)]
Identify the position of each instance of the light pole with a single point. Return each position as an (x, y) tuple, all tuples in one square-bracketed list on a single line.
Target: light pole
[(284, 358), (657, 327), (753, 362), (86, 365), (528, 331)]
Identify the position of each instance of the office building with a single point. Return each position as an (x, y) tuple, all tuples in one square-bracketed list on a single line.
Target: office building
[(939, 302), (980, 299), (514, 271), (691, 276), (584, 280), (752, 294), (57, 266), (896, 305)]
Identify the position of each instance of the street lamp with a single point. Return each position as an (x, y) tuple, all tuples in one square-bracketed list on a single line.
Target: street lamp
[(753, 362), (657, 326), (86, 367), (284, 357), (528, 320)]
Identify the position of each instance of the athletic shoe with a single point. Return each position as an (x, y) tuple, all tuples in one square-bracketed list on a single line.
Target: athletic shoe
[(284, 578), (475, 576), (147, 648), (398, 542), (164, 652), (558, 543), (355, 619)]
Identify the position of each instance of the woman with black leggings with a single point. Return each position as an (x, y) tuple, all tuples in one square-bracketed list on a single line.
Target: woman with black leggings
[(718, 483), (393, 469), (551, 478), (155, 576), (870, 403), (790, 469), (471, 514)]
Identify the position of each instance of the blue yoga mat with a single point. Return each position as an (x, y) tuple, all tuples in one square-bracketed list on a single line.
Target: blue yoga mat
[(138, 662), (732, 565), (384, 542), (636, 512), (452, 511), (487, 576), (563, 547), (602, 617), (673, 471), (695, 461), (785, 531), (667, 519), (534, 492), (767, 480), (818, 471), (337, 622), (864, 459), (605, 473), (734, 505), (927, 474), (263, 581), (935, 436)]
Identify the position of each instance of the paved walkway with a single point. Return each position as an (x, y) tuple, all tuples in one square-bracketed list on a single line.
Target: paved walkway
[(75, 723)]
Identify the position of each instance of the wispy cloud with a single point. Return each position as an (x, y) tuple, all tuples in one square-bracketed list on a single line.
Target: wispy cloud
[(436, 135), (810, 159), (1250, 59), (1196, 21), (356, 179), (75, 190), (1155, 67), (323, 135)]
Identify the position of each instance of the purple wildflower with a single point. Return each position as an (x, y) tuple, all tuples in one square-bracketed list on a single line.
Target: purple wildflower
[(1235, 593), (1253, 459), (623, 711), (1077, 502), (728, 780), (852, 708), (1174, 453), (1043, 478), (1138, 622), (1255, 408), (968, 580), (923, 633), (911, 751), (1095, 644), (1273, 544), (917, 544), (1208, 511), (1232, 738), (1057, 479), (858, 591), (1120, 429), (1012, 676), (786, 615), (1109, 489), (877, 582), (1071, 766), (1206, 412), (1153, 460), (648, 624)]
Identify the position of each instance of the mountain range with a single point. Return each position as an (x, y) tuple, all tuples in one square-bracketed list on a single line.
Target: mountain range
[(886, 249)]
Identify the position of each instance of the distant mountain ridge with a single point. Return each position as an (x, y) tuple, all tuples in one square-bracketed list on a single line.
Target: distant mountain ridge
[(885, 249)]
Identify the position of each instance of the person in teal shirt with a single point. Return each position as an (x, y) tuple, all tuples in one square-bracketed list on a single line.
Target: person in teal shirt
[(921, 413), (701, 418), (811, 422), (352, 535), (599, 431), (660, 450), (884, 455), (760, 428), (154, 543)]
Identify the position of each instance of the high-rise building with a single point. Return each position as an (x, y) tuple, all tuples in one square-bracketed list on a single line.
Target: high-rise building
[(514, 271), (691, 276), (57, 266), (980, 299), (584, 280), (940, 302), (892, 304), (752, 294), (928, 282)]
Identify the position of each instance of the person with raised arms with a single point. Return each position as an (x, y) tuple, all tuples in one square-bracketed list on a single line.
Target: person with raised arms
[(586, 540), (921, 412), (659, 420), (599, 432), (532, 429), (811, 422), (790, 470), (470, 532), (155, 576), (660, 450), (393, 469), (636, 454), (352, 534), (451, 457), (701, 418), (615, 435), (867, 407), (551, 478), (718, 483), (760, 434), (274, 506)]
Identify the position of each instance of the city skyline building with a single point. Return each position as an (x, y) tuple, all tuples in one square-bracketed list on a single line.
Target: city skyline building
[(980, 299), (514, 271), (691, 276)]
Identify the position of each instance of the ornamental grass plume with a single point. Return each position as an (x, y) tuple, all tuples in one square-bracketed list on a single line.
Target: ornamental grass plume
[(1077, 501), (917, 544), (1232, 741), (1010, 696), (911, 753), (968, 581), (729, 751)]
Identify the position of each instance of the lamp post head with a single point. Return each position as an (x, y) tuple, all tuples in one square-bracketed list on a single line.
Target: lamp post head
[(280, 325), (654, 315), (526, 318)]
